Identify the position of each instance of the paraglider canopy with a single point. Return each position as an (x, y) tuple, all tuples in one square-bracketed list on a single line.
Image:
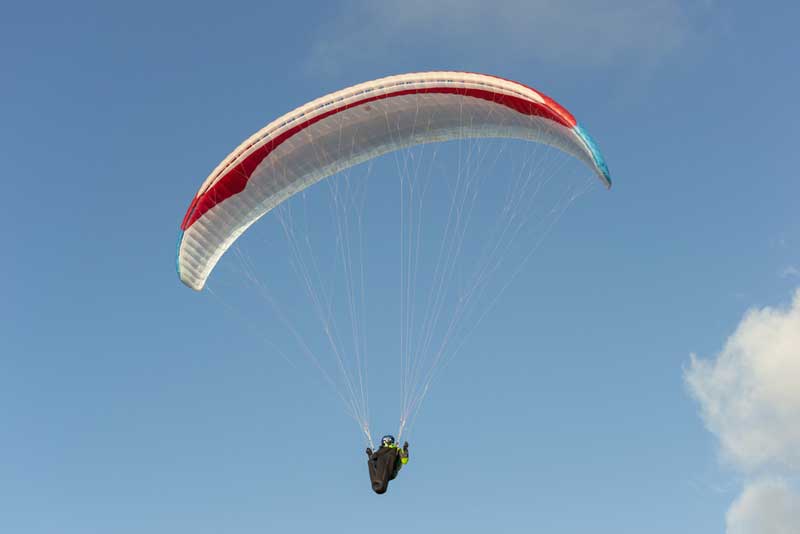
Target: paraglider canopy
[(356, 124)]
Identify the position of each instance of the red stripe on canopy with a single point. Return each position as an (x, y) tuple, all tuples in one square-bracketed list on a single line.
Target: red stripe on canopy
[(235, 179)]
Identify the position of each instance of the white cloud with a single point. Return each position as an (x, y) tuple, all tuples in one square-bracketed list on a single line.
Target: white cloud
[(750, 399), (765, 507), (580, 31), (749, 394)]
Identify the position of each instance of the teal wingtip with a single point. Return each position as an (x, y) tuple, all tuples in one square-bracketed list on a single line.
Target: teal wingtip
[(178, 255), (597, 156)]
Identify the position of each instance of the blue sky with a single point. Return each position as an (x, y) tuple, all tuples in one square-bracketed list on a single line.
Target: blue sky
[(130, 403)]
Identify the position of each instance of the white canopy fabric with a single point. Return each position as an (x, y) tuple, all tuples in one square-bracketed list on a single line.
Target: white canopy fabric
[(353, 125)]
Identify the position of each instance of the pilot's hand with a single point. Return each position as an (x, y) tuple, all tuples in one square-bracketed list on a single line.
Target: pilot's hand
[(405, 446)]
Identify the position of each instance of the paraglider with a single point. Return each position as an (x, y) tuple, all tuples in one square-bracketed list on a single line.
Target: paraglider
[(358, 124), (385, 463)]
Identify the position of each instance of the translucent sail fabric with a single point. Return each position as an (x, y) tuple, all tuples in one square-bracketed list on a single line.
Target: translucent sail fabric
[(356, 124)]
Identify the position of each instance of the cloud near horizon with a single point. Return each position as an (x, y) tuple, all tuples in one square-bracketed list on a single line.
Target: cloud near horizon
[(765, 507), (749, 399), (585, 32)]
